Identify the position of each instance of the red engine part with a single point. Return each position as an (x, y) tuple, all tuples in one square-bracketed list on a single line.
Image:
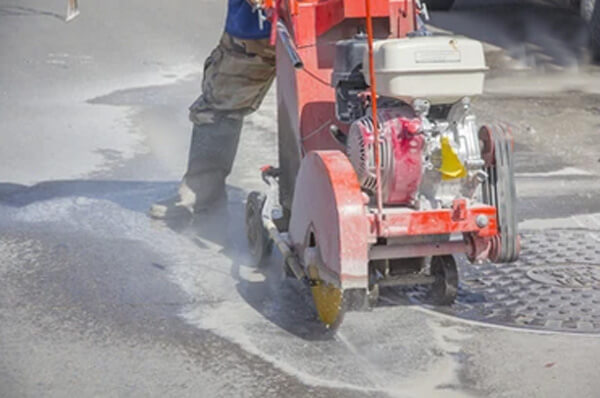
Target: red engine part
[(400, 154)]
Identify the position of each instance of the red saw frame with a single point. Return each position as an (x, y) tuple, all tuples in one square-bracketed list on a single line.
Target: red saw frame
[(306, 106)]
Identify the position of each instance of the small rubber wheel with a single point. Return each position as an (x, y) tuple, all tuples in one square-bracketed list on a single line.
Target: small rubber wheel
[(445, 287), (259, 243), (442, 5), (373, 296)]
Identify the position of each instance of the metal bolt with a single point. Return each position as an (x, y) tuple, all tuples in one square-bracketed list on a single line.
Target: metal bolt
[(482, 221)]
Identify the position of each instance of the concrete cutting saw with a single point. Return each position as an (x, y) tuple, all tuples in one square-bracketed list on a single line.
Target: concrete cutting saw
[(384, 173)]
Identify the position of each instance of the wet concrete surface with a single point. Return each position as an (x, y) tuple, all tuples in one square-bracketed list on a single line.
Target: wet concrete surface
[(98, 300)]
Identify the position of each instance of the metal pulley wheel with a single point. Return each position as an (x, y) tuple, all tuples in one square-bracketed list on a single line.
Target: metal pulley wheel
[(499, 191), (445, 287), (259, 243)]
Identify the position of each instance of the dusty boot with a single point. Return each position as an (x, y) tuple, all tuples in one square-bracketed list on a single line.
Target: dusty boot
[(212, 152), (205, 190), (170, 208)]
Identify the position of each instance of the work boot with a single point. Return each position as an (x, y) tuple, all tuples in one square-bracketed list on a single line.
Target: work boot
[(212, 152), (170, 208)]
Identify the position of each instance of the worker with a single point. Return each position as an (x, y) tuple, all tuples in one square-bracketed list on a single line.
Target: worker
[(237, 76)]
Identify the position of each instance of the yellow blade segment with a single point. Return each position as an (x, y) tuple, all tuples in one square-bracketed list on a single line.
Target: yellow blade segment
[(328, 302)]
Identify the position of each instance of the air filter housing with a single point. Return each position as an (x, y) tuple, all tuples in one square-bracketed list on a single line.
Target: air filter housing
[(441, 69)]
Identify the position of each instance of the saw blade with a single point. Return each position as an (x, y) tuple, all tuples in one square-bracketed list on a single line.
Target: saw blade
[(328, 301)]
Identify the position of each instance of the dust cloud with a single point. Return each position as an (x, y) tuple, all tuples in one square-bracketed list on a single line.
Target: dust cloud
[(533, 47)]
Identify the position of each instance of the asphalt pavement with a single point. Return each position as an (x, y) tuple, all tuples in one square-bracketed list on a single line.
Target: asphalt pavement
[(97, 300)]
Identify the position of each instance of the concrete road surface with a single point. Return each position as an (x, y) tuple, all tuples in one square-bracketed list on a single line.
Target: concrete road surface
[(96, 300)]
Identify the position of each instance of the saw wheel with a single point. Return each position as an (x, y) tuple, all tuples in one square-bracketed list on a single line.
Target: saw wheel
[(259, 243), (499, 191), (445, 288), (329, 300)]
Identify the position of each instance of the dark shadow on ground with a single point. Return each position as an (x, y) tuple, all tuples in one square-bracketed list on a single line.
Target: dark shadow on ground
[(132, 195), (284, 302), (136, 196), (19, 11)]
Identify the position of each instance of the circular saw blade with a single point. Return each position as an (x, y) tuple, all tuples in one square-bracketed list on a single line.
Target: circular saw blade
[(329, 302)]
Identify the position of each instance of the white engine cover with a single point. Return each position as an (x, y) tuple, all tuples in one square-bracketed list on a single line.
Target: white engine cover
[(441, 69)]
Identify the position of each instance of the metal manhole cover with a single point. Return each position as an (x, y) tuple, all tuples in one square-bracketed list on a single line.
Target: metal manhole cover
[(578, 276), (554, 286)]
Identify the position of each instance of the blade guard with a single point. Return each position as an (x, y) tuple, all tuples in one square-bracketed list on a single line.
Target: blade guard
[(328, 203)]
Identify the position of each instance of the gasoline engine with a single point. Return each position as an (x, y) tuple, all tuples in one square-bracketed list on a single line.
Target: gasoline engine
[(430, 148)]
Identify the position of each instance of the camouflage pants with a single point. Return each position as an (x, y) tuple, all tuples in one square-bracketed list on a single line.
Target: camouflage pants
[(237, 75)]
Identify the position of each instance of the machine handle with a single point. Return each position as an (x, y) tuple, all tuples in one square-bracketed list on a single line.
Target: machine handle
[(72, 10), (284, 36)]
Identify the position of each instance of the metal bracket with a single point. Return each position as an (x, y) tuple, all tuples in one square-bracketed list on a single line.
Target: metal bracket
[(272, 208)]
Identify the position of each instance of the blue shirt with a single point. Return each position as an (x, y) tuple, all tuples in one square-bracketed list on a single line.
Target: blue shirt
[(243, 23)]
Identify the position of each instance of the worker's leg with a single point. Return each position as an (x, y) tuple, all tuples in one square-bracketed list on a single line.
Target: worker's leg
[(237, 75)]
